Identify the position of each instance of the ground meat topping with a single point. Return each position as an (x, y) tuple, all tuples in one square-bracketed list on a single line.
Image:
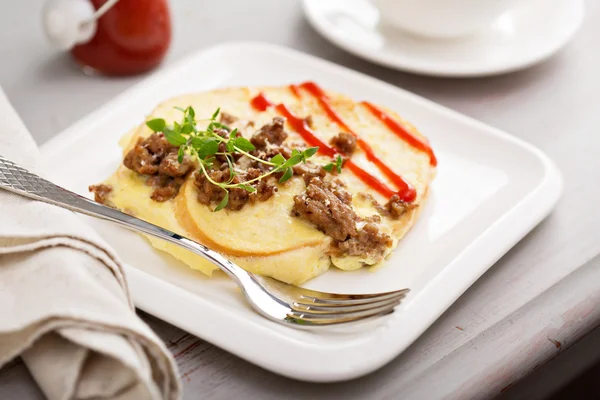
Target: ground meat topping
[(165, 188), (394, 208), (337, 188), (237, 197), (141, 160), (157, 158), (309, 171), (209, 193), (344, 142), (101, 192), (171, 167), (272, 133), (264, 190), (328, 206), (322, 207), (368, 241)]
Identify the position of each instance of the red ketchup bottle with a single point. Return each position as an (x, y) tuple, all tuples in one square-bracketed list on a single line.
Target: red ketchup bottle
[(111, 37), (132, 37)]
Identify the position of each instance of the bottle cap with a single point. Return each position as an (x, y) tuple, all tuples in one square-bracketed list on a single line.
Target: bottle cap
[(68, 22)]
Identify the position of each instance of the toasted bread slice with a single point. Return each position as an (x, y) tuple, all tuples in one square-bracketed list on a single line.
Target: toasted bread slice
[(265, 237)]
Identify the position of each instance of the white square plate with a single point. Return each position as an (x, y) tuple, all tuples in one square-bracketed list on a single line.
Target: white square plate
[(491, 189)]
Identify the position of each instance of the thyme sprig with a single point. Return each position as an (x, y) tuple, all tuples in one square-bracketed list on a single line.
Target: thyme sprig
[(337, 163), (203, 145)]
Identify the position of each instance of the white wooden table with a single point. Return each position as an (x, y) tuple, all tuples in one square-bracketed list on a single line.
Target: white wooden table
[(539, 299)]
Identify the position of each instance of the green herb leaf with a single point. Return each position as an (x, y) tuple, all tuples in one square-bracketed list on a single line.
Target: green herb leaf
[(293, 160), (189, 120), (157, 124), (174, 138), (176, 127), (208, 162), (248, 188), (338, 164), (210, 129), (308, 153), (219, 125), (186, 129), (209, 148), (234, 133), (191, 112), (216, 114), (278, 160), (180, 154), (243, 144), (286, 175), (231, 171), (230, 146), (179, 109), (197, 142), (223, 202)]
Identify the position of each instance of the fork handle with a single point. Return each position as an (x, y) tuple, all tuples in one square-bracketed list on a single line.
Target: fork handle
[(18, 180)]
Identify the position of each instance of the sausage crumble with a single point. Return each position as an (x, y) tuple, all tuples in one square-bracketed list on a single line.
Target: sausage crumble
[(101, 193), (324, 205), (209, 193), (272, 133), (328, 206), (156, 158), (344, 142)]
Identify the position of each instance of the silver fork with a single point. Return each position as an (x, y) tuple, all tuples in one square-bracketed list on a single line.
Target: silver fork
[(280, 302)]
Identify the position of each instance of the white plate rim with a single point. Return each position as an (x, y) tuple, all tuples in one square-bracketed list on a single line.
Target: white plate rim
[(307, 361), (429, 70)]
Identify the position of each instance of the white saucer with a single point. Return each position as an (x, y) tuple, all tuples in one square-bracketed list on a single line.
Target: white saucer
[(516, 40)]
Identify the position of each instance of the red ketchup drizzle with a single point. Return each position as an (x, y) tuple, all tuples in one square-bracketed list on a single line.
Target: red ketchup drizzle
[(401, 132), (304, 131), (261, 103), (295, 90), (372, 181), (405, 189)]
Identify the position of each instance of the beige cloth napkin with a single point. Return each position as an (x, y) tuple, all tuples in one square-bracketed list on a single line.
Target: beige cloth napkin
[(64, 303)]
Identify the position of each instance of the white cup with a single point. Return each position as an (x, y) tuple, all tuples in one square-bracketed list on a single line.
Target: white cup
[(441, 18)]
